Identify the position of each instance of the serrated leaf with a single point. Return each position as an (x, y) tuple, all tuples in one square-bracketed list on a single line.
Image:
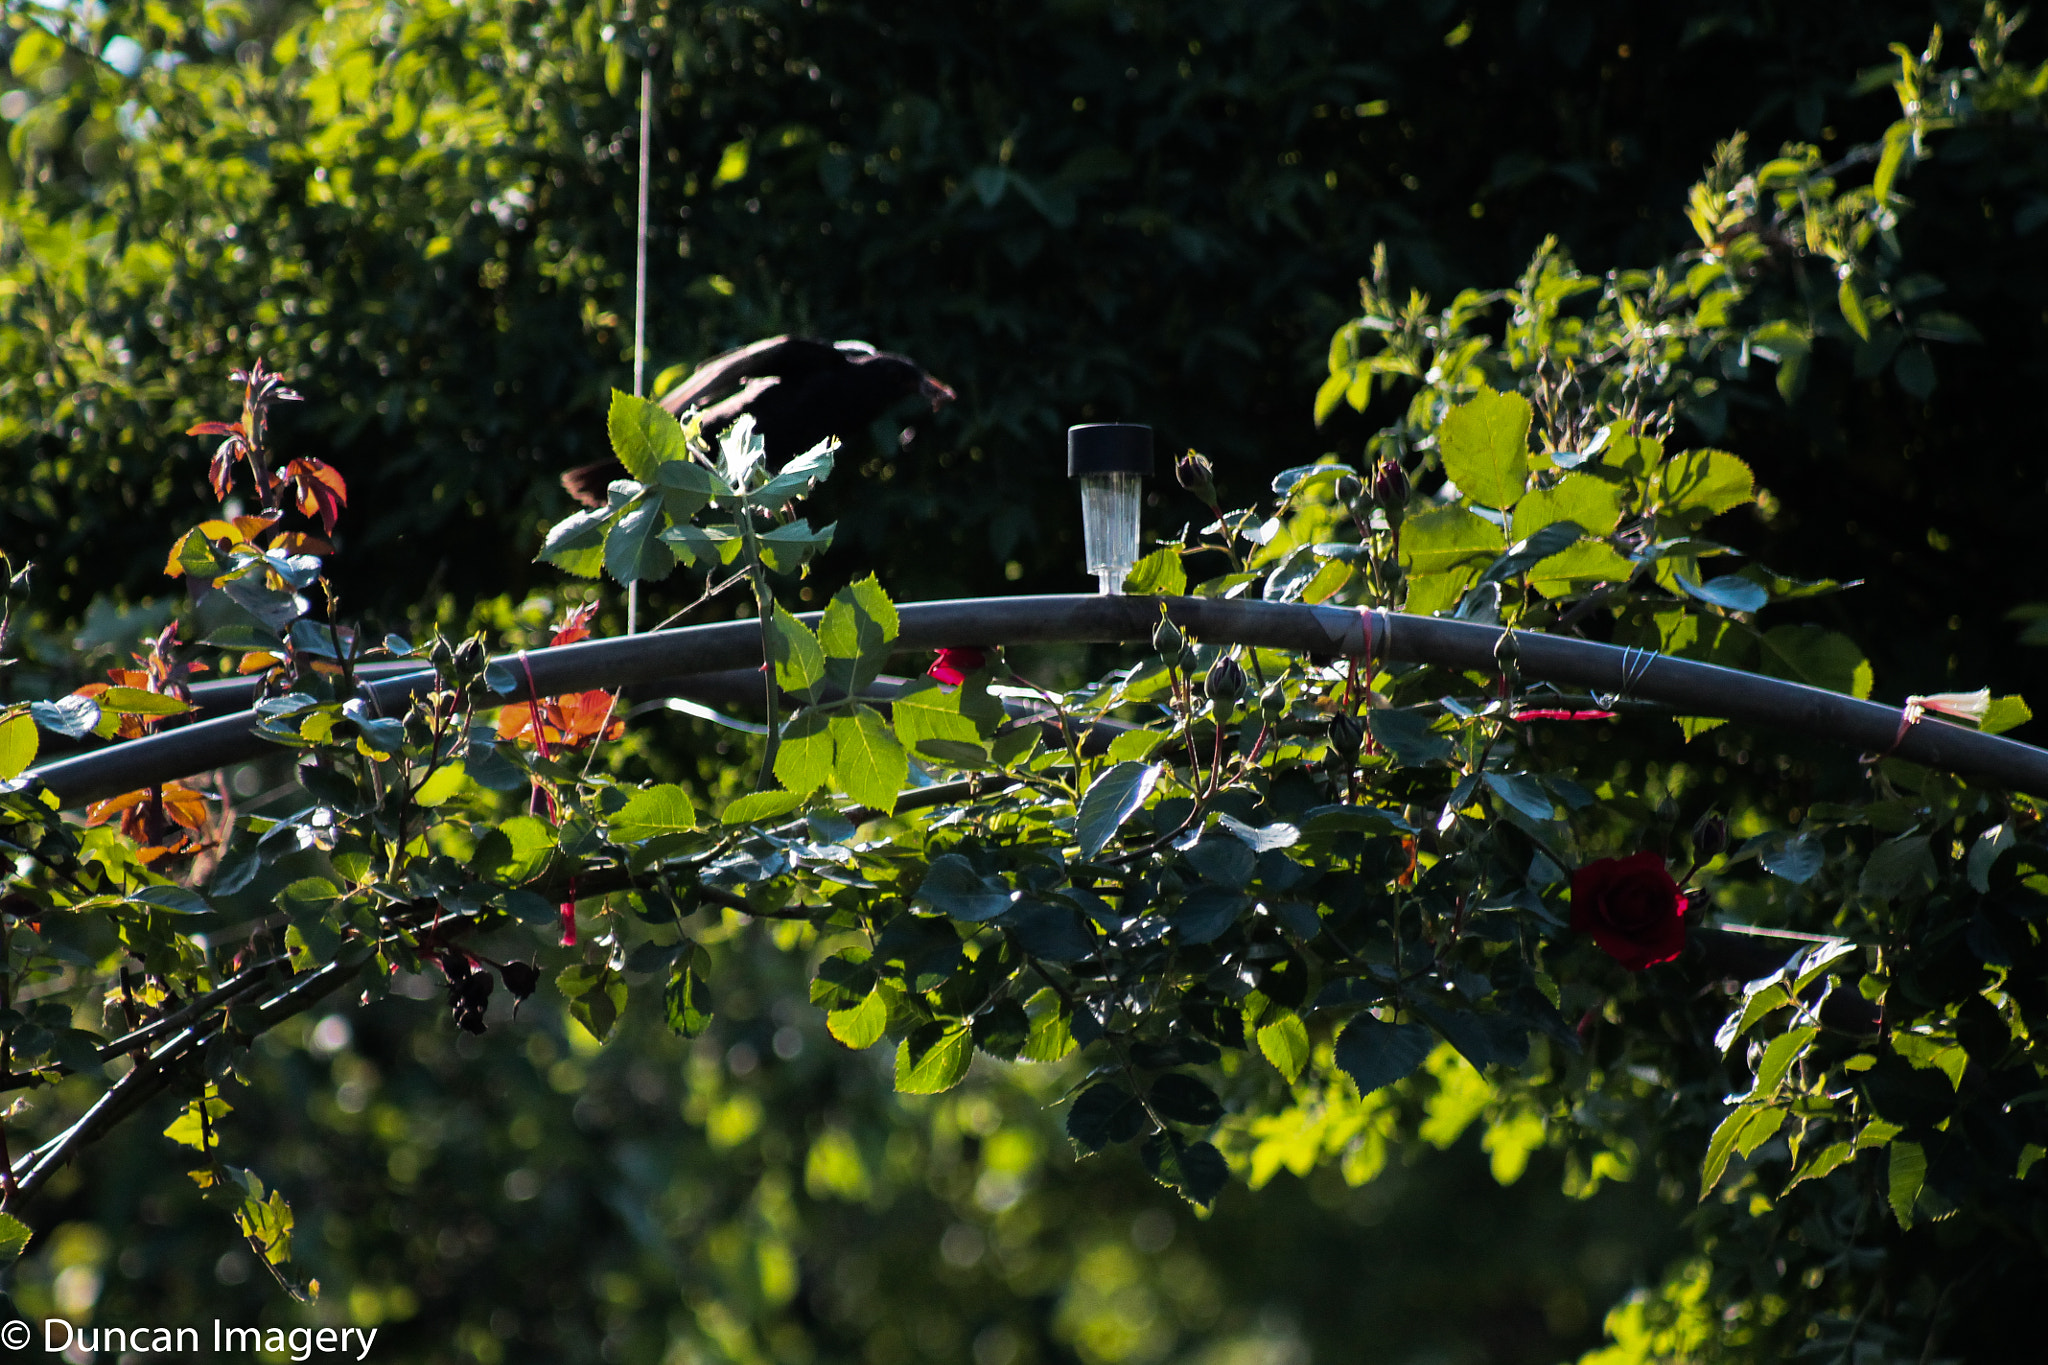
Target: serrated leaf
[(1594, 504), (633, 551), (643, 435), (1376, 1054), (758, 806), (1158, 574), (927, 711), (803, 755), (798, 658), (862, 1025), (857, 628), (1905, 1175), (18, 744), (1698, 484), (14, 1236), (1284, 1040), (1110, 800), (687, 996), (136, 701), (952, 887), (1196, 1170), (1485, 445), (658, 810), (1722, 1145), (867, 762), (1447, 539), (933, 1059), (71, 717), (1105, 1114), (442, 784)]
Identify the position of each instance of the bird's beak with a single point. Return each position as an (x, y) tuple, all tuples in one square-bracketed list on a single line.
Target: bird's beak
[(935, 392)]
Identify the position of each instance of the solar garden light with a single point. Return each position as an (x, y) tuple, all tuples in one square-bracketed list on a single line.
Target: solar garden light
[(1110, 459)]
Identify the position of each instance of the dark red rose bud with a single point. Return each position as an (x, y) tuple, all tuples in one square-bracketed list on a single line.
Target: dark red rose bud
[(1632, 908), (1347, 735), (1390, 486), (1710, 838), (1225, 682), (1198, 476)]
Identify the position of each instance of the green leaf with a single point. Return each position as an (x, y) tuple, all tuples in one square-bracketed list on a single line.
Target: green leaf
[(1778, 1057), (1897, 866), (1697, 484), (658, 810), (14, 1235), (136, 701), (442, 784), (1818, 657), (1722, 1145), (2006, 713), (1376, 1054), (1135, 745), (596, 996), (952, 887), (1822, 1162), (1852, 308), (861, 1026), (1195, 1170), (687, 996), (576, 544), (1907, 1173), (933, 1059), (644, 437), (803, 756), (1158, 574), (1485, 445), (867, 762), (758, 806), (856, 631), (798, 657), (18, 743), (1110, 800), (1447, 539), (633, 552), (1933, 1054), (516, 850), (1052, 1035), (1594, 504), (1284, 1040), (926, 711), (788, 548)]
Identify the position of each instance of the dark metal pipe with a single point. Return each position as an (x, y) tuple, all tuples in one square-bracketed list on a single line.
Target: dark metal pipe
[(654, 659)]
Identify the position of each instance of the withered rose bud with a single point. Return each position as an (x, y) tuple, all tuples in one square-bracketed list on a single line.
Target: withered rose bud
[(1225, 682), (1167, 639), (1347, 735), (469, 655), (1198, 476), (521, 978)]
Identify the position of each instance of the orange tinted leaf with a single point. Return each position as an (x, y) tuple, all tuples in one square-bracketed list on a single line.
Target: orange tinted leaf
[(99, 812), (258, 661)]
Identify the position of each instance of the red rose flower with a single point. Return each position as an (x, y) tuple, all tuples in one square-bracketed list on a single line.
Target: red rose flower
[(953, 665), (1632, 908)]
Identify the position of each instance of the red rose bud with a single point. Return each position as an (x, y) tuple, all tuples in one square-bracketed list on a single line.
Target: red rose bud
[(1390, 485), (1225, 682), (1347, 735), (1197, 475), (953, 665), (1632, 908), (1710, 838)]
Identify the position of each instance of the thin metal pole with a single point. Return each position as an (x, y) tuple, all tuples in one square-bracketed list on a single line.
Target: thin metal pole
[(640, 286), (663, 657)]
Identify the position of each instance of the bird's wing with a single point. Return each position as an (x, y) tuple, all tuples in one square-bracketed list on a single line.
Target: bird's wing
[(856, 351), (717, 378), (720, 414)]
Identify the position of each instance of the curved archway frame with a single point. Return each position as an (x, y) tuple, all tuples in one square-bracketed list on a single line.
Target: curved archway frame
[(672, 656)]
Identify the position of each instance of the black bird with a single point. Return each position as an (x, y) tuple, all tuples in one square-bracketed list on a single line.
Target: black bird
[(798, 389)]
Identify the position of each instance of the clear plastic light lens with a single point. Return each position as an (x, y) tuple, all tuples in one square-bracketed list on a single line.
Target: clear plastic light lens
[(1109, 525)]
